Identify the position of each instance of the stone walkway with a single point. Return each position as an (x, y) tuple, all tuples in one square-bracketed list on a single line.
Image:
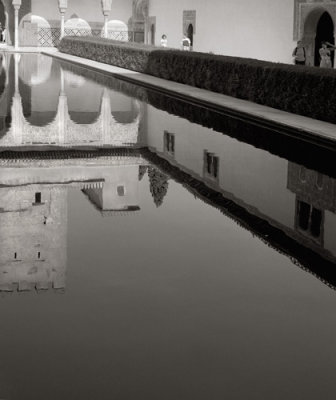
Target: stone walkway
[(304, 128)]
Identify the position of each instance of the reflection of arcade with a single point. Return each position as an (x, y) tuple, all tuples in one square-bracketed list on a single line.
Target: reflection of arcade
[(33, 214), (105, 130)]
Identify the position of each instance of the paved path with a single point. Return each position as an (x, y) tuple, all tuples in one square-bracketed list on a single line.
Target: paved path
[(312, 130)]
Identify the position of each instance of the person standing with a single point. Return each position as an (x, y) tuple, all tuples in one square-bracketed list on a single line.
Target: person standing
[(325, 56), (164, 41), (299, 54), (186, 43)]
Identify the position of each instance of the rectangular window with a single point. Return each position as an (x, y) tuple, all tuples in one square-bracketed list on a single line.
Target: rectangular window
[(38, 198), (211, 165), (121, 191), (309, 220), (169, 143)]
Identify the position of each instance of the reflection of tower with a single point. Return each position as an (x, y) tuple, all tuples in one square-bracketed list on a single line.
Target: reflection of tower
[(315, 202), (119, 192), (33, 227)]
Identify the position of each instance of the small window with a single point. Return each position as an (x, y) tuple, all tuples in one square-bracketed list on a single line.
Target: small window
[(169, 143), (38, 255), (15, 256), (211, 166), (38, 198), (121, 191), (309, 220)]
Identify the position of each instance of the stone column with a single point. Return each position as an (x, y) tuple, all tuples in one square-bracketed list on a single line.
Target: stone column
[(62, 112), (17, 112), (62, 5), (106, 9), (16, 5)]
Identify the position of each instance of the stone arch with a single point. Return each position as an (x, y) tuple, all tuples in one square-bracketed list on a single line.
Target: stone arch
[(117, 30), (39, 21), (88, 109), (76, 26), (125, 110), (138, 21), (35, 70), (307, 14)]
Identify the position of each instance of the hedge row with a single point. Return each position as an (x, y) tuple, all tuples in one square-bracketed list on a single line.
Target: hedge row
[(300, 90)]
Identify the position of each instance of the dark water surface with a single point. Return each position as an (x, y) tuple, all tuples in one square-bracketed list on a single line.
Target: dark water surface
[(175, 262)]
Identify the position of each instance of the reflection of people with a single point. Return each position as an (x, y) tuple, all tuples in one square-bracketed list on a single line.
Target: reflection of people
[(325, 56), (186, 43), (3, 36), (299, 54), (164, 41)]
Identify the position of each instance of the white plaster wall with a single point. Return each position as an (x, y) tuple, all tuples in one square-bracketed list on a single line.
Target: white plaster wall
[(261, 29)]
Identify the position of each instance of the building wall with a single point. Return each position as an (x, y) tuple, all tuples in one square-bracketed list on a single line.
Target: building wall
[(90, 11), (261, 29)]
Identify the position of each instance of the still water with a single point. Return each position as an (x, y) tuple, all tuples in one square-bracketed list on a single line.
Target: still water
[(147, 256)]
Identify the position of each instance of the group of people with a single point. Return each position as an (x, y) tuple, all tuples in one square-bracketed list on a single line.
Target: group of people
[(299, 54), (185, 43)]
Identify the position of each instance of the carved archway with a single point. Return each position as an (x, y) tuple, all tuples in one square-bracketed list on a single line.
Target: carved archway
[(306, 18)]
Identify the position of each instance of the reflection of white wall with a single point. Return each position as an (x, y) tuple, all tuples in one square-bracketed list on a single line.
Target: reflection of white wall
[(253, 176), (33, 237), (258, 29), (329, 231)]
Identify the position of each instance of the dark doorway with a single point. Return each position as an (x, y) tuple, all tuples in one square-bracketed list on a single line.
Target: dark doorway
[(190, 34), (152, 34), (2, 15), (324, 32)]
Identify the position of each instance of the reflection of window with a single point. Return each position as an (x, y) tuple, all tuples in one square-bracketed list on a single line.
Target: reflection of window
[(121, 191), (211, 166), (309, 219), (169, 143), (38, 198)]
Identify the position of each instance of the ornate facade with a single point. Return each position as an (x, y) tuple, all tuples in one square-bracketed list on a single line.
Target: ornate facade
[(236, 28)]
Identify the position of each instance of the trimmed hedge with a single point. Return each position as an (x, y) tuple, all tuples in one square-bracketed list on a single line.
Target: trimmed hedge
[(300, 90)]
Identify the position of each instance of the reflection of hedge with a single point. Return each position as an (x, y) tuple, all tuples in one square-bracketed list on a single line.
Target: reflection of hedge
[(301, 90), (158, 185)]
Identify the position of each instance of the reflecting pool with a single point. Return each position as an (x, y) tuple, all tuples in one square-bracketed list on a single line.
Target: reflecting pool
[(150, 249)]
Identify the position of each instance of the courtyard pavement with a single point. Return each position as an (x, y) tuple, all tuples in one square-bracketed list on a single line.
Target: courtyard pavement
[(311, 130)]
